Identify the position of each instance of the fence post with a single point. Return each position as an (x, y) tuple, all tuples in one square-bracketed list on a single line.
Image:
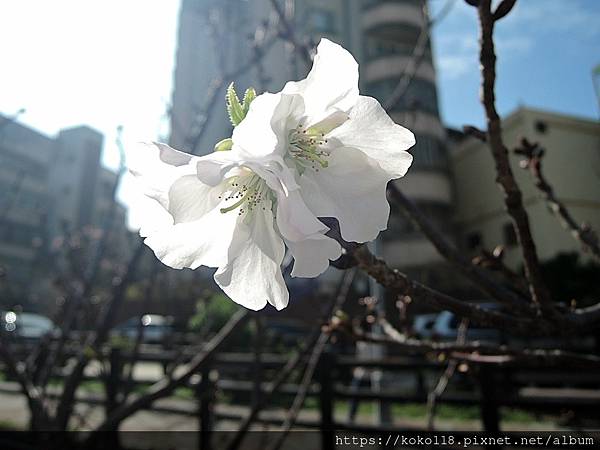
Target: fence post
[(326, 366), (111, 388), (205, 394), (114, 379), (488, 403)]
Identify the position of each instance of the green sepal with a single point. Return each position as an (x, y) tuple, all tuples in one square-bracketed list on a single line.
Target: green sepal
[(234, 107), (249, 97), (224, 145)]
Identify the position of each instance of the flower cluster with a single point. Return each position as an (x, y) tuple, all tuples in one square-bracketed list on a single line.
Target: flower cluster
[(315, 149)]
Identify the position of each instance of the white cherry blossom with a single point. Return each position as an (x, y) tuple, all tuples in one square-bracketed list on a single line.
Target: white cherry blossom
[(234, 212), (342, 147)]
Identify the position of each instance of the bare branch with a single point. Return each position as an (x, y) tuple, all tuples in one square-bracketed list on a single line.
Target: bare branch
[(494, 261), (218, 83), (34, 397), (533, 156), (401, 284), (513, 197), (477, 351), (503, 9), (418, 53), (444, 379), (471, 271), (166, 387), (311, 366), (95, 340), (288, 33)]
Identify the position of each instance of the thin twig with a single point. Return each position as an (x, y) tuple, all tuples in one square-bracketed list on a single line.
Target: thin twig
[(166, 387), (288, 33), (476, 351), (444, 379), (214, 93), (33, 395), (416, 59), (401, 284), (290, 366), (448, 251), (533, 161), (311, 366)]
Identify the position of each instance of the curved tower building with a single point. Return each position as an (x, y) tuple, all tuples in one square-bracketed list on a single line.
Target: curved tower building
[(396, 56)]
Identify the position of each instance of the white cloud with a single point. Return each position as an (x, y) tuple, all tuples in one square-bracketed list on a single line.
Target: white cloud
[(454, 66), (556, 15)]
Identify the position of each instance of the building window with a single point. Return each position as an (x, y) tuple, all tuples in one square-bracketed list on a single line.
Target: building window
[(474, 240), (420, 95), (510, 237), (541, 127)]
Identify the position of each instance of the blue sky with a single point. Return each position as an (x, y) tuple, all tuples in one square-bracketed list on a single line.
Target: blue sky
[(109, 63), (546, 52)]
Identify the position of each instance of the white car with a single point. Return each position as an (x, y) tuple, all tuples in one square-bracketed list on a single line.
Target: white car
[(26, 326)]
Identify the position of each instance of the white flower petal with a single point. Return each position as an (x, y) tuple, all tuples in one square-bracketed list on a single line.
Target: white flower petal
[(173, 157), (204, 242), (190, 199), (254, 134), (371, 131), (212, 168), (312, 255), (275, 172), (351, 189), (294, 220), (253, 277), (156, 167), (263, 132), (332, 83)]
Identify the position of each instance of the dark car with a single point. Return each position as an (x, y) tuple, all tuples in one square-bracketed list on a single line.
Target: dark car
[(156, 328)]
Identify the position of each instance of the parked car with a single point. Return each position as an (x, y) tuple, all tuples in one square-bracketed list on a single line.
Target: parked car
[(423, 325), (156, 328), (446, 328), (27, 326)]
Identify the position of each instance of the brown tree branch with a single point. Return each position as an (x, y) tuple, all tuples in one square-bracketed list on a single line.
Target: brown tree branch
[(35, 400), (533, 156), (494, 262), (513, 197), (444, 379), (471, 271), (94, 341), (477, 351), (166, 387), (401, 284), (311, 366), (292, 363)]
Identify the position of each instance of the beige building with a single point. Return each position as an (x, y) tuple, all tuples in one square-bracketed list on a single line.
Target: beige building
[(571, 165)]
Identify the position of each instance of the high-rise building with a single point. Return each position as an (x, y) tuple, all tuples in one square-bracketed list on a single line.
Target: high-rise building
[(386, 37), (48, 185)]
